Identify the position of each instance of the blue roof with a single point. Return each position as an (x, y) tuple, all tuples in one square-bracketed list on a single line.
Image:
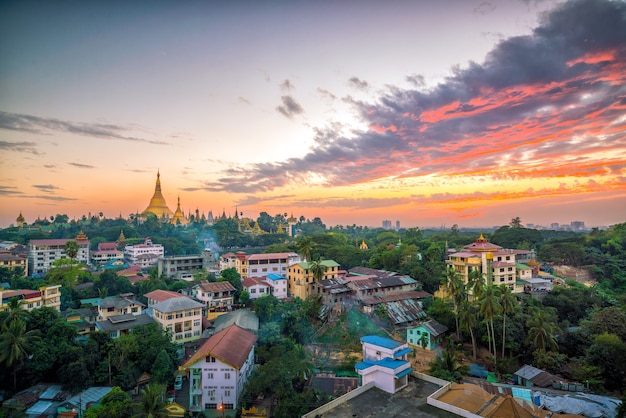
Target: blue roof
[(387, 362), (381, 342), (402, 352), (275, 276), (403, 373)]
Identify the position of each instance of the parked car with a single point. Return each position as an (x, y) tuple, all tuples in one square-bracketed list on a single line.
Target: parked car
[(178, 382)]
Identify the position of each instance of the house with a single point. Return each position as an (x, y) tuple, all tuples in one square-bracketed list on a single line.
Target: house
[(433, 332), (13, 260), (120, 305), (333, 292), (160, 295), (182, 267), (219, 370), (181, 316), (279, 285), (213, 294), (367, 283), (259, 265), (82, 318), (257, 287), (106, 252), (530, 376), (384, 363), (143, 255), (118, 325), (301, 277), (42, 253), (496, 265), (32, 299)]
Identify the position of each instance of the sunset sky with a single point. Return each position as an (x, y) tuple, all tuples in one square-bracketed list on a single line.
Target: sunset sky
[(427, 112)]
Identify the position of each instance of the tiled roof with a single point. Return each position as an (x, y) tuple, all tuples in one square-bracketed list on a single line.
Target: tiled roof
[(216, 286), (232, 346), (160, 295), (118, 303), (180, 303), (254, 281)]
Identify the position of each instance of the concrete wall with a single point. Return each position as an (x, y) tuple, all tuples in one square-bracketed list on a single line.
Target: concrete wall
[(342, 399)]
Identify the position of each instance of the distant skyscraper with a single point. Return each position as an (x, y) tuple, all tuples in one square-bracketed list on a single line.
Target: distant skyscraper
[(397, 225), (577, 225), (386, 224)]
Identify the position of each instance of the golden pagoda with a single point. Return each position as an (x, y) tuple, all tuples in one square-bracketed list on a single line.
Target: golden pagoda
[(157, 204), (20, 220), (179, 216)]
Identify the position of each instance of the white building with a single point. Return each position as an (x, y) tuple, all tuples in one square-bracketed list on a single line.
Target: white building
[(106, 251), (219, 370), (384, 363), (279, 285), (259, 265), (32, 299), (182, 267), (122, 305), (42, 253), (213, 294), (182, 316), (257, 287), (144, 255)]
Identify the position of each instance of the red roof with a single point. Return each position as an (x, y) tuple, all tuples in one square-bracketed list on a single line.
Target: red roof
[(253, 281), (57, 241), (231, 345), (216, 286), (161, 295)]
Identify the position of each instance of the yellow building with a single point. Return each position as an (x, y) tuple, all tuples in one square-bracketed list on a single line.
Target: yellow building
[(32, 299), (300, 277), (496, 264)]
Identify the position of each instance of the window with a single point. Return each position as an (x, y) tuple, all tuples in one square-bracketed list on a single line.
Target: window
[(209, 375), (227, 375), (210, 359), (210, 406), (229, 406), (227, 393)]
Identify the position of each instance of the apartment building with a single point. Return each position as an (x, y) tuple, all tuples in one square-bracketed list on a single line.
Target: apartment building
[(300, 277), (30, 299), (258, 265), (42, 253), (143, 255), (181, 316), (182, 267)]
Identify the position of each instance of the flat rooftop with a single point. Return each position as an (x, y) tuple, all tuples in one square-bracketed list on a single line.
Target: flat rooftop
[(410, 402)]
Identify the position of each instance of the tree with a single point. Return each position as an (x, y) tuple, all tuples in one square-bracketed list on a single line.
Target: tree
[(115, 404), (152, 402), (14, 312), (516, 222), (317, 269), (541, 331), (508, 302), (446, 365), (71, 249), (455, 288), (231, 276), (608, 353), (468, 320), (489, 307), (305, 247), (15, 345), (163, 368)]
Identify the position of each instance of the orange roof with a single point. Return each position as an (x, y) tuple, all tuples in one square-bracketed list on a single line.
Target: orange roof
[(231, 345), (160, 295)]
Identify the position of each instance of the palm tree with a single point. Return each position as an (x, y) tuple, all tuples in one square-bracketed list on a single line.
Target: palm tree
[(305, 246), (152, 402), (541, 331), (476, 283), (423, 342), (469, 315), (14, 311), (446, 365), (318, 269), (489, 307), (15, 345), (71, 250), (508, 302), (456, 289)]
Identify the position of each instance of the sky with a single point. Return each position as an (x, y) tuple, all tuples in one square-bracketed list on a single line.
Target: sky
[(431, 113)]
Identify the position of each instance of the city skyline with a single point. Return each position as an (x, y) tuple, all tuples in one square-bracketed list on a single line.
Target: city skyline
[(428, 113)]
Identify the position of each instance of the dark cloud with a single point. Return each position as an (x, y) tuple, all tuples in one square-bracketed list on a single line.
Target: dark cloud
[(484, 8), (53, 198), (243, 100), (358, 83), (543, 105), (24, 146), (49, 166), (81, 165), (10, 191), (286, 86), (290, 107), (416, 80), (46, 187), (37, 125), (326, 93)]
